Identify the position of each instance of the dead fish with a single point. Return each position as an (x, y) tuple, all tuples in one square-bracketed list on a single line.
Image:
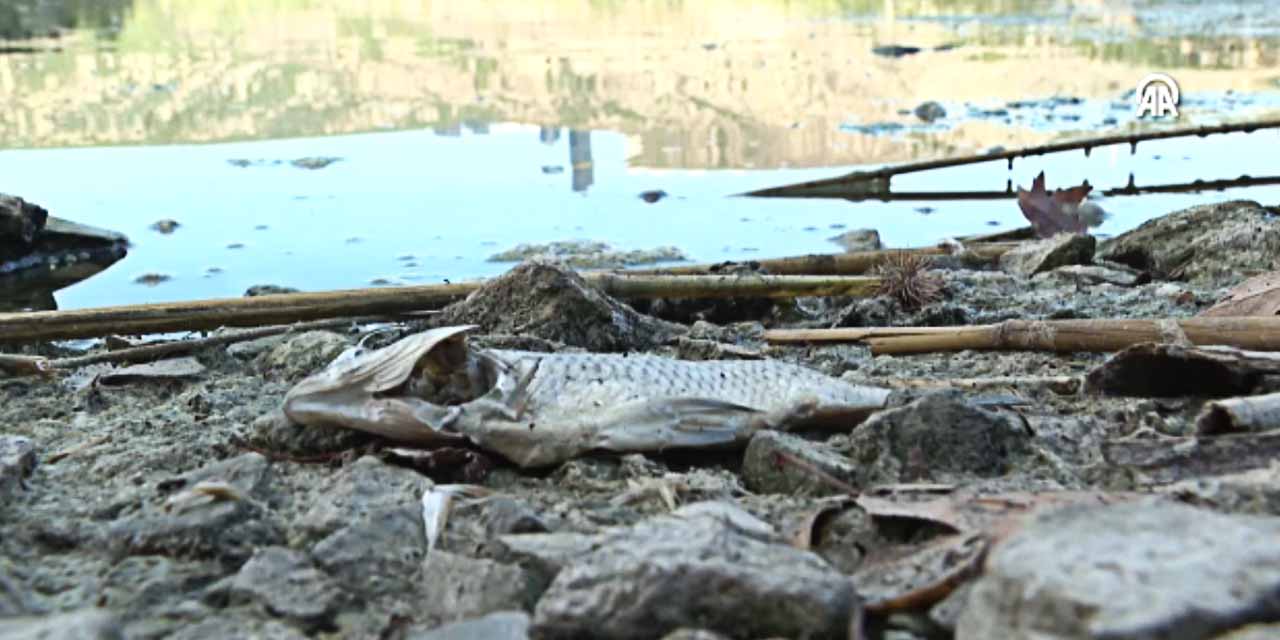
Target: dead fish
[(538, 409)]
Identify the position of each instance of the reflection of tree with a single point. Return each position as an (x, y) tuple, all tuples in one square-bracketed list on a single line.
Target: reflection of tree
[(580, 159), (36, 18)]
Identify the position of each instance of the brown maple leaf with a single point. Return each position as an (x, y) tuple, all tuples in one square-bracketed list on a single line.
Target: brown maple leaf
[(1257, 296), (1053, 213)]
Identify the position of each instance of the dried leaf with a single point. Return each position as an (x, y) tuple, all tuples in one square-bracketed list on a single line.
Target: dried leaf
[(1053, 213), (1257, 296), (803, 533)]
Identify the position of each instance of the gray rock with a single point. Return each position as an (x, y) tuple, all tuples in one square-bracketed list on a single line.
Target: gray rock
[(287, 585), (764, 472), (697, 568), (543, 555), (693, 634), (204, 525), (504, 625), (939, 437), (1207, 245), (1137, 570), (582, 254), (15, 598), (302, 355), (1030, 258), (267, 290), (238, 627), (930, 111), (455, 587), (377, 555), (1094, 274), (1253, 632), (17, 461), (1256, 491), (250, 349), (313, 163), (364, 489), (85, 624), (20, 221), (858, 240), (275, 432)]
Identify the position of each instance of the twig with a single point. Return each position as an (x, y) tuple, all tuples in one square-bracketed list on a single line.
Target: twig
[(823, 476)]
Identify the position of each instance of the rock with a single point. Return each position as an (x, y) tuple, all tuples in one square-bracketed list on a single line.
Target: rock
[(376, 555), (267, 290), (84, 624), (1208, 245), (314, 163), (152, 279), (652, 196), (1253, 632), (20, 220), (1256, 491), (15, 598), (551, 302), (455, 587), (165, 226), (699, 567), (503, 625), (17, 461), (1030, 258), (930, 111), (226, 626), (939, 437), (190, 523), (584, 254), (370, 519), (895, 50), (1095, 274), (764, 472), (1135, 570), (275, 432), (858, 240), (363, 489), (543, 555), (287, 585), (302, 355), (693, 634)]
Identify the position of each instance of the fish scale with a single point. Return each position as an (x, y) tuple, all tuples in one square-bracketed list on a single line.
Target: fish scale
[(571, 382)]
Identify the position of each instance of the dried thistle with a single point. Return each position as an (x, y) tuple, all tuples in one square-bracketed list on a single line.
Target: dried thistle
[(905, 277)]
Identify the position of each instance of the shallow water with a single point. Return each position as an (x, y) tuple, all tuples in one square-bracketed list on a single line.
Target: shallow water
[(459, 126)]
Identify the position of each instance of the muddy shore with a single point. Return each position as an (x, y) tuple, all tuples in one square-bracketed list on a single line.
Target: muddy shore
[(319, 532)]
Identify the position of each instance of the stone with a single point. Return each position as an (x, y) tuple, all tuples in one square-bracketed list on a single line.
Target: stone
[(268, 290), (1208, 245), (1253, 632), (226, 626), (203, 525), (1030, 258), (302, 355), (15, 598), (858, 240), (20, 221), (274, 431), (937, 438), (1135, 570), (698, 567), (84, 624), (543, 555), (1095, 274), (456, 587), (930, 111), (550, 301), (363, 489), (764, 472), (1256, 491), (503, 625), (377, 555), (287, 585), (313, 163), (17, 461)]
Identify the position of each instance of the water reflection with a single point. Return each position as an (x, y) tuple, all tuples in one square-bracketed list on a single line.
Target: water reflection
[(580, 159), (715, 84), (25, 19)]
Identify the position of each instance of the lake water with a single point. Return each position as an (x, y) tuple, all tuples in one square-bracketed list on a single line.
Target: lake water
[(463, 129)]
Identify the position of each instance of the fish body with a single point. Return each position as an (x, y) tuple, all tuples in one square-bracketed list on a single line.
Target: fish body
[(542, 408)]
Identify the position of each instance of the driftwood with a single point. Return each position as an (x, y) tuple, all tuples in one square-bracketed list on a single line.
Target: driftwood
[(1173, 370), (1252, 413), (875, 184), (296, 307), (1063, 336), (827, 264), (1166, 460)]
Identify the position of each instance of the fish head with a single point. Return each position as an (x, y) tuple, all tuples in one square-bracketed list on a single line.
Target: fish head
[(380, 391)]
